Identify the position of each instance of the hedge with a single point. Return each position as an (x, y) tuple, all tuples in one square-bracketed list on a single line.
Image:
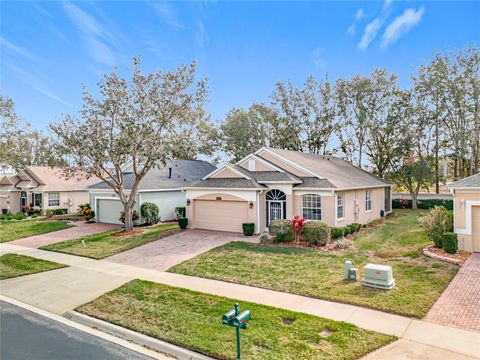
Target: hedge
[(424, 204), (450, 242), (281, 231), (316, 232)]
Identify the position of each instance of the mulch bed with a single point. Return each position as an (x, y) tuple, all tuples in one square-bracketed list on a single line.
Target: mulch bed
[(127, 233), (440, 254)]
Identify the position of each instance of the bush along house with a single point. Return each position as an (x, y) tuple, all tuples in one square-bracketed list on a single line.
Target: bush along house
[(275, 184)]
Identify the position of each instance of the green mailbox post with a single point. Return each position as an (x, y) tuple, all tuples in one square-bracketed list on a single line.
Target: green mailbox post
[(238, 321)]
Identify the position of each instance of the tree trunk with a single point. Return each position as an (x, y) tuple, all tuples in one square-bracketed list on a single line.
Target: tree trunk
[(128, 217), (414, 200)]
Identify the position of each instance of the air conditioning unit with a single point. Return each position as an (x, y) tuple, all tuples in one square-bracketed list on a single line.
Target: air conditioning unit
[(378, 276)]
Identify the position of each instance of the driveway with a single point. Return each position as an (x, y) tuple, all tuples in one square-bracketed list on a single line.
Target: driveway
[(459, 304), (164, 253), (80, 228)]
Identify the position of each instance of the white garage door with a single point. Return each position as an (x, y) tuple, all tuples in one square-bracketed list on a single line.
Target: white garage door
[(476, 228), (108, 211), (220, 215)]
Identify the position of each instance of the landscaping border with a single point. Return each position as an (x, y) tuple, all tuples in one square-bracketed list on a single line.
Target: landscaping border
[(426, 251)]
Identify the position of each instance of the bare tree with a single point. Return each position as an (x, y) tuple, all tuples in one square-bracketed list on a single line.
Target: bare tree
[(138, 122)]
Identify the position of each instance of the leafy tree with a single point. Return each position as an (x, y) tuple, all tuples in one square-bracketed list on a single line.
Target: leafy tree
[(137, 122), (244, 132), (20, 145)]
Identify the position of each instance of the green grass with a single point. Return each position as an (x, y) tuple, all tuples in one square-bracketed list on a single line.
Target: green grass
[(193, 320), (104, 244), (420, 280), (13, 265), (12, 229)]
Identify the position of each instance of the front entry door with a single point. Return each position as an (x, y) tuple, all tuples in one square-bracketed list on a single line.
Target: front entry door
[(275, 210), (23, 200)]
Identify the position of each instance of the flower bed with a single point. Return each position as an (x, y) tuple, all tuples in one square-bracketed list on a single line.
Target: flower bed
[(440, 254)]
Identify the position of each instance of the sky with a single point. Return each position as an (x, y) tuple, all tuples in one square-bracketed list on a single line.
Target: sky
[(49, 50)]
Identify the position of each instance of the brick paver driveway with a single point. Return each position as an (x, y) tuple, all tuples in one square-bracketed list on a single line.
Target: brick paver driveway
[(80, 228), (459, 305), (164, 253)]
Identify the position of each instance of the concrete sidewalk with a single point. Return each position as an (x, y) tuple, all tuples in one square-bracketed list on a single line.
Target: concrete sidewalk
[(106, 275)]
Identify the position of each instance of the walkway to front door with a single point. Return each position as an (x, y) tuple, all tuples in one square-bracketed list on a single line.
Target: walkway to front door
[(458, 306)]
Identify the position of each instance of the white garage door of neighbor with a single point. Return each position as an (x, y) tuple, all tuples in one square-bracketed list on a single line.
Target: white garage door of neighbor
[(108, 211), (220, 215), (476, 228)]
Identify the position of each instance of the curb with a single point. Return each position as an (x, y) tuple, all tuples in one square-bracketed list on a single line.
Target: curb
[(135, 337)]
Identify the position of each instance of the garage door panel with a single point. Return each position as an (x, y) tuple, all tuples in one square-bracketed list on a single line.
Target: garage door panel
[(108, 211), (220, 215)]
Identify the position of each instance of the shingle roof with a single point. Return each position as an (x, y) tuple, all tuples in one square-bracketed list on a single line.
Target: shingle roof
[(53, 179), (339, 172), (234, 183), (311, 182), (261, 176), (472, 181), (183, 173)]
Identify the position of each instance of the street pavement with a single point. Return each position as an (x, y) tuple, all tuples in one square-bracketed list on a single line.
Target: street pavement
[(25, 335)]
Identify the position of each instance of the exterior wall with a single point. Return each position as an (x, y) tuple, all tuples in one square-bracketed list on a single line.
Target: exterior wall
[(10, 200), (282, 164), (69, 200), (225, 173), (258, 165), (462, 201), (355, 199), (327, 201), (166, 201)]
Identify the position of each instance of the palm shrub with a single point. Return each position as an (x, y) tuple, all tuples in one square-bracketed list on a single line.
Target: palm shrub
[(149, 212), (435, 223), (450, 242), (86, 211), (316, 232)]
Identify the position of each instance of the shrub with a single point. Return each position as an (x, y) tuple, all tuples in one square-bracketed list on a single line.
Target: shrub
[(4, 211), (422, 204), (350, 228), (263, 238), (337, 232), (248, 229), (435, 223), (60, 211), (281, 231), (181, 212), (356, 226), (86, 211), (182, 222), (134, 216), (343, 243), (316, 232), (149, 212), (20, 216), (296, 226), (450, 242), (34, 216)]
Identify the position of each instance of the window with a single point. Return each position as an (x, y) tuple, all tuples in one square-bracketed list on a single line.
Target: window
[(368, 200), (37, 200), (53, 199), (312, 207), (340, 213)]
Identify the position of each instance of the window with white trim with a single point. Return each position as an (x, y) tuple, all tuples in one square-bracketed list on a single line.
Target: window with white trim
[(312, 207), (53, 199), (368, 200), (340, 206)]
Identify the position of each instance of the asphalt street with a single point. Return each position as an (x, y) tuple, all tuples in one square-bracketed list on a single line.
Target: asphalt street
[(25, 335)]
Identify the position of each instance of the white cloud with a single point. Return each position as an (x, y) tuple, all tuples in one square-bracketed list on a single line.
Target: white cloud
[(318, 59), (369, 33), (167, 14), (15, 49), (402, 25), (96, 36), (359, 15)]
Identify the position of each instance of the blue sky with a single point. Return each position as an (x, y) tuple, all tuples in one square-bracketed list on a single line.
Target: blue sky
[(49, 49)]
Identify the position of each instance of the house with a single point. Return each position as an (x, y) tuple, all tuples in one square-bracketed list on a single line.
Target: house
[(278, 184), (466, 212), (161, 185), (43, 187)]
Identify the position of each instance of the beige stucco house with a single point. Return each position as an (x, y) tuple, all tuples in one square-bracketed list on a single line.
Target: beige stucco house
[(44, 188), (278, 184), (466, 212)]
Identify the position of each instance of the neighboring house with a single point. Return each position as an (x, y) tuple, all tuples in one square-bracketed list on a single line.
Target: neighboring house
[(466, 212), (43, 187), (278, 184), (161, 185)]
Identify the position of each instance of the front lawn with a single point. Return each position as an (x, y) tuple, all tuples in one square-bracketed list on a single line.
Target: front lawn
[(420, 280), (13, 265), (105, 244), (193, 320), (16, 229)]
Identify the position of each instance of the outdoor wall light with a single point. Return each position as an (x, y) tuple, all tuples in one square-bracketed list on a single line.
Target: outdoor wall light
[(462, 204), (250, 205), (188, 202)]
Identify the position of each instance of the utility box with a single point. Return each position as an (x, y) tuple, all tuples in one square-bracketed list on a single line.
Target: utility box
[(349, 272), (378, 276)]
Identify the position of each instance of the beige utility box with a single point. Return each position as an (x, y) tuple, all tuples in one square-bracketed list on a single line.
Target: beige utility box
[(378, 276)]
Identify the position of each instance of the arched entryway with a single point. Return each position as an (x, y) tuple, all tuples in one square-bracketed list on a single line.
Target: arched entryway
[(276, 205)]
